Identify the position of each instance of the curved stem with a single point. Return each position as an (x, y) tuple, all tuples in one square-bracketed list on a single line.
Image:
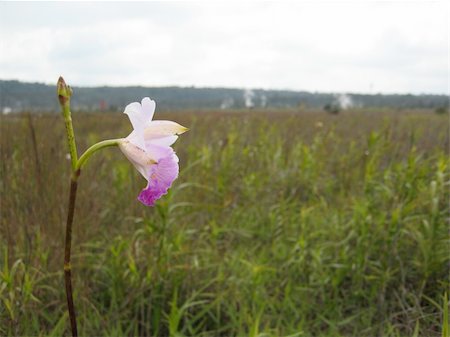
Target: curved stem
[(94, 148), (68, 246)]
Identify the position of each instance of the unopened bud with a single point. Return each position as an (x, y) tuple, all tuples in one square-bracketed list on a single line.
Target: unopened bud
[(64, 92)]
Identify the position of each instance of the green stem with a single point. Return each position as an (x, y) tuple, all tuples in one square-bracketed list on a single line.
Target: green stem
[(94, 148), (70, 136), (64, 94)]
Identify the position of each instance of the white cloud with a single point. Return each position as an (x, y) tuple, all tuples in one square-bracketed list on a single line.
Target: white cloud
[(390, 47)]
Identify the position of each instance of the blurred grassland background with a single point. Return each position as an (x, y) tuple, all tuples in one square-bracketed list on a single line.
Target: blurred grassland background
[(281, 223)]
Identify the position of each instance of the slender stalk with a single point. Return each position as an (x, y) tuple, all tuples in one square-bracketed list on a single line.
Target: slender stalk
[(64, 94), (68, 246)]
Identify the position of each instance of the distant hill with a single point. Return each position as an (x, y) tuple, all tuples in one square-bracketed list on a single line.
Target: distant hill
[(18, 96)]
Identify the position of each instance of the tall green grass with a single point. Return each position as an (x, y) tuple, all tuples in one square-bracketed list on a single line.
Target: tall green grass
[(280, 224)]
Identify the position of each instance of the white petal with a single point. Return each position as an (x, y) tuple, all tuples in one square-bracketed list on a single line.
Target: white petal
[(136, 137), (163, 141), (148, 108), (134, 112), (140, 115), (158, 129)]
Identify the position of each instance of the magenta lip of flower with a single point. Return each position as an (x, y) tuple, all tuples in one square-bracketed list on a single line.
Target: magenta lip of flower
[(160, 180), (148, 149)]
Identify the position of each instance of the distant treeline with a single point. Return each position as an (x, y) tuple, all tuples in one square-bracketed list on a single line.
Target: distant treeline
[(18, 96)]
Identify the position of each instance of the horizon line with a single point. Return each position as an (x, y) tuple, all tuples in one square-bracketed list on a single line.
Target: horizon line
[(230, 88)]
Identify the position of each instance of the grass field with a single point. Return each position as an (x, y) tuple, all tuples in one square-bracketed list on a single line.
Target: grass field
[(281, 223)]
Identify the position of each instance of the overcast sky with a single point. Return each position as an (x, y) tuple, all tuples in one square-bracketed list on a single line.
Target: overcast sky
[(389, 47)]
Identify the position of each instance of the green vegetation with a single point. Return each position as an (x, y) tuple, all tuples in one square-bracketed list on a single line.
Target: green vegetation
[(281, 223)]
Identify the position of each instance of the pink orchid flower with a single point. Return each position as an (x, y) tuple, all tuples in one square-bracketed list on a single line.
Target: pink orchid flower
[(148, 149)]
